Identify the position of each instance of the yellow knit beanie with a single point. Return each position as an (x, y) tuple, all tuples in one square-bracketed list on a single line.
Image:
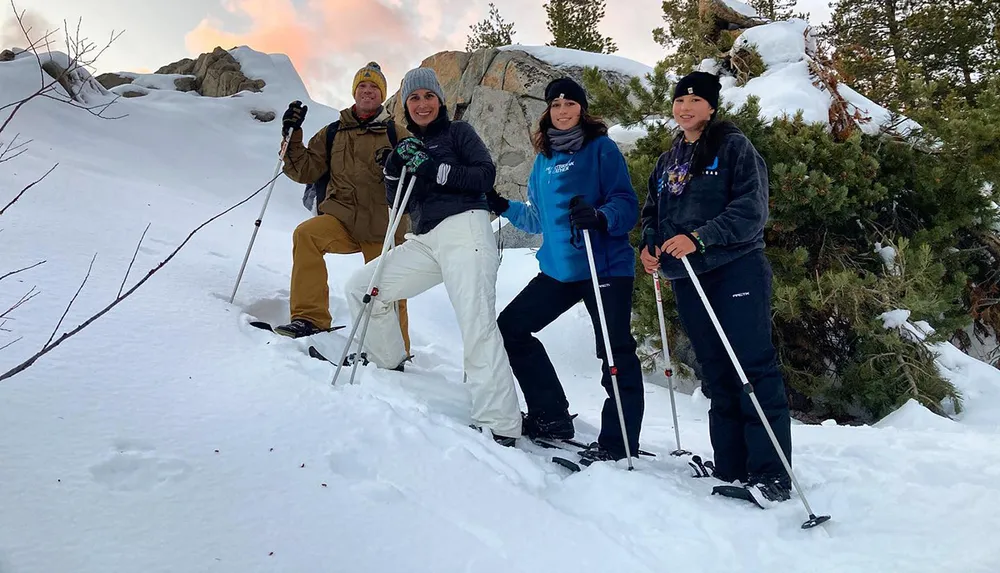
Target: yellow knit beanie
[(370, 73)]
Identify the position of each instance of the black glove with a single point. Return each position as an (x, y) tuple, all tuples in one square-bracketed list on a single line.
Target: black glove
[(423, 165), (293, 118), (394, 164), (498, 205), (582, 216)]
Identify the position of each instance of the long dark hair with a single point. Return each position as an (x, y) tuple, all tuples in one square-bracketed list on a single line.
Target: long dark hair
[(593, 127)]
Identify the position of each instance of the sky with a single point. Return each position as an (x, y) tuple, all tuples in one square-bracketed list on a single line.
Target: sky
[(327, 40)]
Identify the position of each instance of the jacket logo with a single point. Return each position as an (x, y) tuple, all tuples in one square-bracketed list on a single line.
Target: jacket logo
[(741, 294), (713, 169), (561, 168)]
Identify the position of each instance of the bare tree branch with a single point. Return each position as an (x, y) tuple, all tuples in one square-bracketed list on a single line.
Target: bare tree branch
[(11, 343), (11, 273), (71, 301), (25, 190), (101, 106), (49, 347), (132, 262), (79, 51), (10, 147)]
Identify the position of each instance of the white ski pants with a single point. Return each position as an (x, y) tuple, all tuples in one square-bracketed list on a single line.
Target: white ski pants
[(460, 252)]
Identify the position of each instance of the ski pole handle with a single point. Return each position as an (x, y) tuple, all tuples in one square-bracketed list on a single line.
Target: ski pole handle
[(649, 240)]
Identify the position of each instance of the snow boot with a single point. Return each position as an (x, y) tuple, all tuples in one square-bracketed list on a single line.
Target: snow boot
[(535, 427), (297, 329), (769, 489), (504, 441)]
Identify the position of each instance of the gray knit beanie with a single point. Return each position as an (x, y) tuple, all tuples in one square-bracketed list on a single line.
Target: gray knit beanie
[(421, 78)]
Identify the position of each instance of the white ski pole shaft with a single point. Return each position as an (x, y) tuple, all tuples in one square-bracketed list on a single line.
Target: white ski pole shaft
[(256, 225), (669, 370), (372, 291), (747, 386), (607, 344)]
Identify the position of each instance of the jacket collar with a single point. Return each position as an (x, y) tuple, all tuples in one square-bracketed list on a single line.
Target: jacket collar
[(349, 119)]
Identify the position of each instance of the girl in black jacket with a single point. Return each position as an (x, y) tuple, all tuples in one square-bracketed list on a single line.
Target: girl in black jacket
[(451, 241), (708, 201)]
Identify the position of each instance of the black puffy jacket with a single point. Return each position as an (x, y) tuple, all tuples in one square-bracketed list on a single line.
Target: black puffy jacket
[(459, 187)]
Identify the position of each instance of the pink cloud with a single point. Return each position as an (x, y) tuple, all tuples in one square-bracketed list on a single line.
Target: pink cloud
[(327, 40)]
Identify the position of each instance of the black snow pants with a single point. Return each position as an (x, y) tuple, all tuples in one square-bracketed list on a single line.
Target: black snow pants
[(542, 301), (740, 295)]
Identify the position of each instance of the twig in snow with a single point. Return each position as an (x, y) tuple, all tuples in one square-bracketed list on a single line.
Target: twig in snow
[(10, 147), (72, 300), (25, 190), (12, 273), (132, 262)]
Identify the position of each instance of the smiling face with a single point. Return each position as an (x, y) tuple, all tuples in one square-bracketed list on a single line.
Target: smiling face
[(692, 113), (423, 107), (564, 113), (367, 97)]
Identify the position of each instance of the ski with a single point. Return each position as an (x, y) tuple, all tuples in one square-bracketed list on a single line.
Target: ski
[(736, 492)]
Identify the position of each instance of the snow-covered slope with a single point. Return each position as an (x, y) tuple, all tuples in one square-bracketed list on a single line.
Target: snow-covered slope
[(169, 436)]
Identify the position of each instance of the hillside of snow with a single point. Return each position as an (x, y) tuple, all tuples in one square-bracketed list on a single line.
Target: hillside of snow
[(169, 436)]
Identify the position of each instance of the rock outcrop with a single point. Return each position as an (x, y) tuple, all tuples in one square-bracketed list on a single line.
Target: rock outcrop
[(213, 74), (216, 74)]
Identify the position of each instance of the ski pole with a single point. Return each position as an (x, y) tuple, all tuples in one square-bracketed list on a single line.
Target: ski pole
[(396, 215), (256, 224), (813, 520), (668, 371), (612, 369)]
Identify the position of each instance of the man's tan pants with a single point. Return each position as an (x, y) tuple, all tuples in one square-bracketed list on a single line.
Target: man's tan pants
[(310, 298)]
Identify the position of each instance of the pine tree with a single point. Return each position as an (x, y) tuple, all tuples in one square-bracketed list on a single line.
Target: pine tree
[(573, 24), (871, 48), (777, 9), (688, 38), (886, 48), (491, 32)]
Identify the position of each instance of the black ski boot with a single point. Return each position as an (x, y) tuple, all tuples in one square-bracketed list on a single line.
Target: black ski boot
[(597, 453), (769, 489), (556, 429), (297, 329)]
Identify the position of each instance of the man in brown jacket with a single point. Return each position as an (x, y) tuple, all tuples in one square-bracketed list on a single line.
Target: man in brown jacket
[(354, 216)]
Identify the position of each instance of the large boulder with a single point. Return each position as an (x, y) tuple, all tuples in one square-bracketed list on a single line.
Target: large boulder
[(500, 92)]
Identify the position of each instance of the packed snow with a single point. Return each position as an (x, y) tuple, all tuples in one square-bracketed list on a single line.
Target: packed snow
[(567, 57), (170, 436), (741, 8)]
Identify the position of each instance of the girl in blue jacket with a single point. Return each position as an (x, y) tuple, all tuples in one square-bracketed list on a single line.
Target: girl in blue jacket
[(575, 159)]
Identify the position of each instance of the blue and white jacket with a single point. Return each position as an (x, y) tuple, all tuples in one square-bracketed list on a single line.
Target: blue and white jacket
[(598, 173)]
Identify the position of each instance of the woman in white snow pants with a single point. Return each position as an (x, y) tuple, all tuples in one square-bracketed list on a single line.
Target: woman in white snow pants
[(451, 241)]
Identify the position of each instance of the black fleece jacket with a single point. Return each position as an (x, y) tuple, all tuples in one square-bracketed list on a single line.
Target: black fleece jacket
[(465, 172), (725, 202)]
